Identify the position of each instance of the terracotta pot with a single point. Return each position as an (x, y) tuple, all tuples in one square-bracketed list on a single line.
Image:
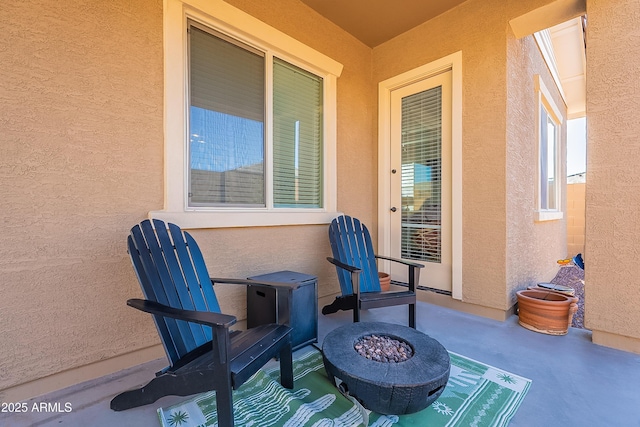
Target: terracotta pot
[(385, 281), (546, 312)]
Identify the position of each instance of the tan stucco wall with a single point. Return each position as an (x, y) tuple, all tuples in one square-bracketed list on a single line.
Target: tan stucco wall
[(533, 247), (575, 218), (82, 109), (612, 273), (496, 149), (484, 83)]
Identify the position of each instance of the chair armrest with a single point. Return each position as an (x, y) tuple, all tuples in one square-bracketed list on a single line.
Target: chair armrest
[(276, 285), (401, 261), (342, 265), (355, 274), (414, 272), (202, 317)]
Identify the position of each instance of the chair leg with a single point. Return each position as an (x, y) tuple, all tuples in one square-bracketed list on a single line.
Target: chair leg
[(356, 312), (145, 395), (286, 367), (340, 303), (412, 316), (224, 402)]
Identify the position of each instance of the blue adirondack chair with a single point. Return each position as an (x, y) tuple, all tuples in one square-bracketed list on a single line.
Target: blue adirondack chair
[(204, 354), (357, 270)]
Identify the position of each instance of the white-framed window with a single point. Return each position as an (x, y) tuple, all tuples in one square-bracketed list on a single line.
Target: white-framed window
[(548, 187), (250, 122)]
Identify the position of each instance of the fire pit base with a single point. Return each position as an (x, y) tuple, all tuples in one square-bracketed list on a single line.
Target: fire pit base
[(387, 388)]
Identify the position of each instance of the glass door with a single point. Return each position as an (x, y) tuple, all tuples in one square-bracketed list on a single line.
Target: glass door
[(421, 179)]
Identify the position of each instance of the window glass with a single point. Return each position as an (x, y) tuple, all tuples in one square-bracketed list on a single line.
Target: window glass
[(226, 163), (297, 137), (548, 162), (226, 122), (421, 179), (552, 182), (227, 128)]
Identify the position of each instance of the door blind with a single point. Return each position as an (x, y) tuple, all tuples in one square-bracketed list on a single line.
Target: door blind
[(421, 184)]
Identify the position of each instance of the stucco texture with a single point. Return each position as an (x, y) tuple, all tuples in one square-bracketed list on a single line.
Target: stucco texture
[(612, 273), (533, 247), (81, 108), (81, 112), (498, 160), (81, 119)]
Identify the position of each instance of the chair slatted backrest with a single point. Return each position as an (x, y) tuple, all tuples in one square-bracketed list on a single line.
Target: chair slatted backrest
[(351, 244), (171, 271)]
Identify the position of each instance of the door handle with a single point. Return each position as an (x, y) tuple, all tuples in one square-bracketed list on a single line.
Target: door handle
[(393, 209)]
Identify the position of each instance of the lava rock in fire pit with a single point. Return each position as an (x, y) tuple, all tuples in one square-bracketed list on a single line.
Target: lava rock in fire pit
[(382, 348)]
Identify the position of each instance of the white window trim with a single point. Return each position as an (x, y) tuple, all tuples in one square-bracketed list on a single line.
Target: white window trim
[(225, 18), (543, 39), (544, 99)]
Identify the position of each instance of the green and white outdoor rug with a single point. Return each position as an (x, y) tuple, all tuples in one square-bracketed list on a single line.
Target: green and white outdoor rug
[(476, 395)]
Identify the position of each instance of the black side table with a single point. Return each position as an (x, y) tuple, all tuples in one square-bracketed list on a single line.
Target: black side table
[(295, 306)]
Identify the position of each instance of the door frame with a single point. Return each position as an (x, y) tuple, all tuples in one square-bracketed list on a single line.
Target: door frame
[(451, 62)]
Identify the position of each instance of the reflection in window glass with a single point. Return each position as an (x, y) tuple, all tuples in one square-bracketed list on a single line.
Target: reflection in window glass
[(226, 122), (227, 132), (227, 159)]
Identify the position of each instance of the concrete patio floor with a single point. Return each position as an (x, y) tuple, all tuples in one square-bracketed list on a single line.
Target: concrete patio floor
[(575, 382)]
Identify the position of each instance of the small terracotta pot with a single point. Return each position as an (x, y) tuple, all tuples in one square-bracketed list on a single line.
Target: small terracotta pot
[(385, 281), (546, 312)]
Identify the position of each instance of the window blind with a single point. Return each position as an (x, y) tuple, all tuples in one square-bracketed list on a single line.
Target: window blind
[(421, 175), (226, 121), (297, 137)]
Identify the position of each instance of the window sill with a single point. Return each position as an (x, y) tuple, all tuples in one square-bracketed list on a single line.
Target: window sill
[(235, 218), (548, 215)]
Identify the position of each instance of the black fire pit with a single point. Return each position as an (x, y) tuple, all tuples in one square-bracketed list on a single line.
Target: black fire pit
[(387, 387)]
